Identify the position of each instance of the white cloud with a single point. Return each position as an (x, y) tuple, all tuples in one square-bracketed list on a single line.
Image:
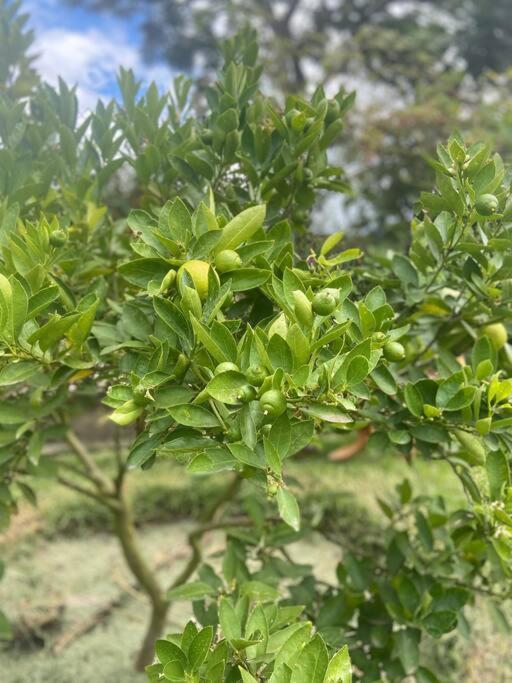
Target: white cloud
[(90, 59)]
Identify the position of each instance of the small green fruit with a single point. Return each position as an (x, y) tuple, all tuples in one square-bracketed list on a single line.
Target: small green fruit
[(58, 238), (256, 374), (497, 333), (273, 403), (198, 271), (207, 136), (226, 260), (394, 351), (266, 428), (234, 433), (486, 204), (303, 309), (323, 303), (247, 393), (227, 366), (181, 367)]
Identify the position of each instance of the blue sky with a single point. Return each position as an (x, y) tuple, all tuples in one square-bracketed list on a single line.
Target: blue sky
[(86, 48)]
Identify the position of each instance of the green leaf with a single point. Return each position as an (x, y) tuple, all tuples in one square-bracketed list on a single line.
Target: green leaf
[(141, 271), (246, 676), (179, 222), (54, 331), (241, 228), (280, 353), (272, 457), (405, 270), (413, 400), (407, 649), (288, 508), (172, 316), (312, 662), (245, 279), (167, 651), (384, 380), (498, 473), (330, 242), (195, 590), (340, 667), (18, 372), (357, 370), (259, 591), (193, 416), (291, 647), (40, 301), (439, 623), (214, 346), (5, 627), (229, 620), (225, 387), (327, 413), (199, 647), (246, 455)]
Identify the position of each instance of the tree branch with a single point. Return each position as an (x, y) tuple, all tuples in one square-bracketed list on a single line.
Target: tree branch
[(103, 483)]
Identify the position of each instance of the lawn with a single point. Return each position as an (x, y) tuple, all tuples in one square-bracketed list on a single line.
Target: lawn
[(78, 617)]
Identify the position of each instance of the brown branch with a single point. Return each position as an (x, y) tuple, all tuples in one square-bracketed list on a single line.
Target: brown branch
[(87, 492), (103, 483)]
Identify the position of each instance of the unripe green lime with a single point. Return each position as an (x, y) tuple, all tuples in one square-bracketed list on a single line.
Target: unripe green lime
[(58, 238), (272, 489), (303, 308), (378, 337), (181, 367), (394, 351), (323, 303), (273, 403), (486, 204), (233, 433), (207, 136), (227, 259), (198, 271), (226, 367), (497, 333), (256, 374), (247, 393)]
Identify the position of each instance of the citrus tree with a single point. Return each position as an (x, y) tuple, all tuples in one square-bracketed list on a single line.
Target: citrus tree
[(212, 343)]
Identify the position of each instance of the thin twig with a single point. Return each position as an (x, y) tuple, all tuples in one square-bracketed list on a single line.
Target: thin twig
[(102, 482)]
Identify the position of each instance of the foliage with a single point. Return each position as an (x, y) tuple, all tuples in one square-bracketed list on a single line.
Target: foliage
[(389, 45), (194, 321), (424, 68)]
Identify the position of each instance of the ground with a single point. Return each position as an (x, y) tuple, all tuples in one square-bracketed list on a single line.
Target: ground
[(64, 570)]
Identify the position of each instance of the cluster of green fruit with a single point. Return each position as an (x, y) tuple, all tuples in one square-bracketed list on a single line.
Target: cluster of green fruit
[(272, 401)]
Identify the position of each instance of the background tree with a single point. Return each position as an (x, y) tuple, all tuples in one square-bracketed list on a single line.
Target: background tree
[(421, 68)]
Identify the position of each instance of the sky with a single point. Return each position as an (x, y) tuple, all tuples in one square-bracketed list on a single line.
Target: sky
[(86, 48)]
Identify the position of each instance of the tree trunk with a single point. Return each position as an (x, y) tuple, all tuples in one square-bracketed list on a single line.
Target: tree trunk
[(153, 632), (147, 579)]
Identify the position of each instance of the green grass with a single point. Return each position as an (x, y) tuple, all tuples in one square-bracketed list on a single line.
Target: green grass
[(167, 493), (69, 558)]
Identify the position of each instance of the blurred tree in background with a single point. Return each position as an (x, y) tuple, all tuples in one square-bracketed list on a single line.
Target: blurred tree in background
[(421, 68)]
